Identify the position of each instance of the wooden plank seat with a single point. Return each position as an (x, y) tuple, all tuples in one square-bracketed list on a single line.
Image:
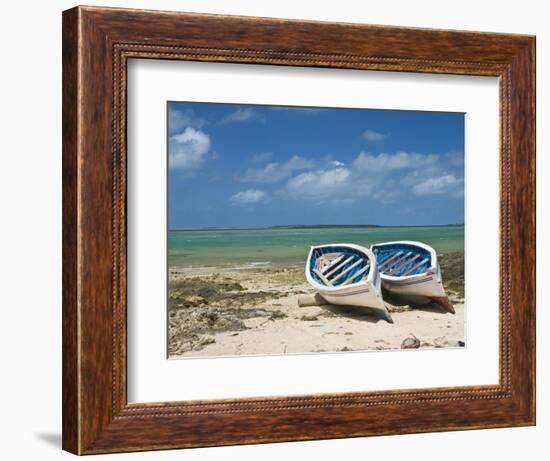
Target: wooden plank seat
[(404, 264), (389, 260), (347, 270), (338, 269), (339, 266), (360, 273), (326, 281), (412, 269), (332, 264), (387, 269)]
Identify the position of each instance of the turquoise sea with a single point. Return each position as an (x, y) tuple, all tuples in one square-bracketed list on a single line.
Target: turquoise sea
[(289, 246)]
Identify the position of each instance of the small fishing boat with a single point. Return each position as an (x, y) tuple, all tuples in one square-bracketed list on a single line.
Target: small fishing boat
[(411, 271), (346, 274)]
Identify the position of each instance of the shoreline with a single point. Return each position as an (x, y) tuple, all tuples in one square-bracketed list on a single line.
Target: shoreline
[(253, 310), (229, 268), (251, 265)]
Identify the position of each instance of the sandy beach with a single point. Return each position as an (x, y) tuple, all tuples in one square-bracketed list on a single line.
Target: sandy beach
[(254, 310)]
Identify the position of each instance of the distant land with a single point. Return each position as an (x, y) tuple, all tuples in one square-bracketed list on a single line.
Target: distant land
[(319, 226)]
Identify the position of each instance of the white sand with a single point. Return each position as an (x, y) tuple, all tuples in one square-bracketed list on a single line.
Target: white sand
[(332, 328)]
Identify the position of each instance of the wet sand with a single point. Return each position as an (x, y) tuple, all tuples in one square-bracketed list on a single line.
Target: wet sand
[(251, 311)]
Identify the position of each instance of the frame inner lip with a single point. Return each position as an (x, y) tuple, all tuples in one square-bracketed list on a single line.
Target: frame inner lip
[(127, 50)]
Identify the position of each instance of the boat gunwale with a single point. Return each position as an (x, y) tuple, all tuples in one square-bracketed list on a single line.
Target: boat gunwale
[(433, 270), (342, 289)]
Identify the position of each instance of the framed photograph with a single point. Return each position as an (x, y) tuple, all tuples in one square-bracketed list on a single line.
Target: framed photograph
[(284, 230), (236, 256)]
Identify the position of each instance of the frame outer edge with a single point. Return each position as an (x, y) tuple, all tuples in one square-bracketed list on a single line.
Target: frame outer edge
[(91, 419), (521, 197), (524, 131), (70, 211), (533, 55)]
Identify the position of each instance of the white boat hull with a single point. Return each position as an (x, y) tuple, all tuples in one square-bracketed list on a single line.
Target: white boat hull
[(427, 285), (366, 294), (420, 288)]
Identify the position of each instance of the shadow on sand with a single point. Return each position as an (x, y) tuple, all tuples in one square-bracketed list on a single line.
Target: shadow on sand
[(414, 303), (364, 314)]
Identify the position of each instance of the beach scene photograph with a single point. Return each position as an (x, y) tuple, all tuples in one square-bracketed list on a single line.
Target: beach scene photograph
[(299, 230)]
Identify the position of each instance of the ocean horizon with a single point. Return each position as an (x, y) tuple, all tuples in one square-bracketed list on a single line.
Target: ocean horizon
[(289, 245)]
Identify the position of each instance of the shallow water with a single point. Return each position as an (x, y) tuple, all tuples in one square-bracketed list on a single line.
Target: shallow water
[(286, 246)]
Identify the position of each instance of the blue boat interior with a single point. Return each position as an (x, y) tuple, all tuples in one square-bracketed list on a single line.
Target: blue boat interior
[(338, 265), (402, 259)]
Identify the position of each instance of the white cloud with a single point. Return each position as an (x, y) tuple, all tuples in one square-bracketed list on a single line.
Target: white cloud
[(437, 185), (241, 115), (178, 120), (275, 171), (321, 185), (298, 163), (454, 158), (262, 157), (373, 136), (399, 160), (384, 178), (188, 150), (249, 197)]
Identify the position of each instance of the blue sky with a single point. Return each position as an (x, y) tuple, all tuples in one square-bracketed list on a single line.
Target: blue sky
[(233, 165)]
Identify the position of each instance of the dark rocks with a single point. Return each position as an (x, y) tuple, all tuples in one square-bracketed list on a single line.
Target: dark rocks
[(444, 342), (206, 340), (193, 301), (309, 318), (277, 315), (452, 271), (410, 342), (198, 291)]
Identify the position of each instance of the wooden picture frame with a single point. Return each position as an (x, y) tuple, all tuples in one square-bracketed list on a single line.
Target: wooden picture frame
[(97, 43)]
